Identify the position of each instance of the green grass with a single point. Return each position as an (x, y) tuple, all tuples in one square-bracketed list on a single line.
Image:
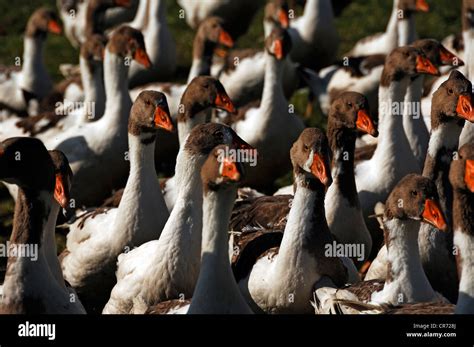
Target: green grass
[(361, 18)]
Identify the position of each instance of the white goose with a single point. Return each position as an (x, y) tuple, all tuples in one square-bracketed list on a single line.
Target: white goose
[(168, 268), (94, 243)]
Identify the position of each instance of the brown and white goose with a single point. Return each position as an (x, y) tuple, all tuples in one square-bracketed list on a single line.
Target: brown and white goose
[(96, 150), (18, 88), (279, 277), (450, 106), (209, 36), (271, 128), (67, 113), (94, 241), (461, 176), (32, 284), (160, 45), (348, 113), (413, 200), (375, 178), (216, 289), (168, 268), (413, 120)]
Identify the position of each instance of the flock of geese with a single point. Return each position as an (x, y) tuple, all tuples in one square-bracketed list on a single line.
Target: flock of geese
[(388, 188)]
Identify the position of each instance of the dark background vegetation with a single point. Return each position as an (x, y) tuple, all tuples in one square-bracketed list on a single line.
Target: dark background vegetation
[(359, 19)]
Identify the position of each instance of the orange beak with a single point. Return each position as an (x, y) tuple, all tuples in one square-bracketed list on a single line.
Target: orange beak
[(464, 108), (424, 65), (223, 102), (123, 3), (229, 170), (283, 18), (61, 194), (448, 58), (364, 123), (318, 169), (422, 5), (142, 58), (162, 119), (278, 49), (54, 27), (469, 175), (225, 39), (432, 214)]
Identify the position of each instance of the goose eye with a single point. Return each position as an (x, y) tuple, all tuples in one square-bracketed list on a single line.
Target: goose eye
[(450, 91), (148, 103), (414, 193), (306, 147), (349, 104)]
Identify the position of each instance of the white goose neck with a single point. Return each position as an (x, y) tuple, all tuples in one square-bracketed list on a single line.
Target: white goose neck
[(272, 95), (188, 176), (34, 74), (199, 67), (464, 242), (93, 85), (468, 37), (185, 127), (392, 26), (445, 135), (315, 11), (406, 30), (408, 281)]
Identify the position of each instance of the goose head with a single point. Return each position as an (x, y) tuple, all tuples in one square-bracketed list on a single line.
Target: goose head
[(415, 197), (63, 178), (202, 93), (209, 36), (276, 13), (203, 138), (221, 171), (278, 43), (406, 61), (461, 173), (25, 161), (311, 157), (453, 100), (42, 21), (149, 113), (351, 110), (410, 6), (437, 53), (128, 42), (467, 14)]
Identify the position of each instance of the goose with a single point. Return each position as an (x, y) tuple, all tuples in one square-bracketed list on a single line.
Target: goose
[(97, 150), (18, 88), (168, 268), (314, 35), (30, 286), (94, 241), (277, 274), (160, 45), (348, 112), (375, 178), (201, 94), (216, 290), (237, 14), (461, 177), (46, 124), (208, 37), (413, 121), (451, 105), (400, 30), (467, 135), (412, 202), (243, 71), (271, 128)]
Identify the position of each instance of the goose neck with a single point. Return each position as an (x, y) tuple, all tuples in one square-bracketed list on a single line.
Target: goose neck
[(93, 85), (272, 85), (406, 30), (315, 11)]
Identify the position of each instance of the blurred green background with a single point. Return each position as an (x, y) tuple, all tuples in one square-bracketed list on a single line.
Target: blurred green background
[(359, 19)]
